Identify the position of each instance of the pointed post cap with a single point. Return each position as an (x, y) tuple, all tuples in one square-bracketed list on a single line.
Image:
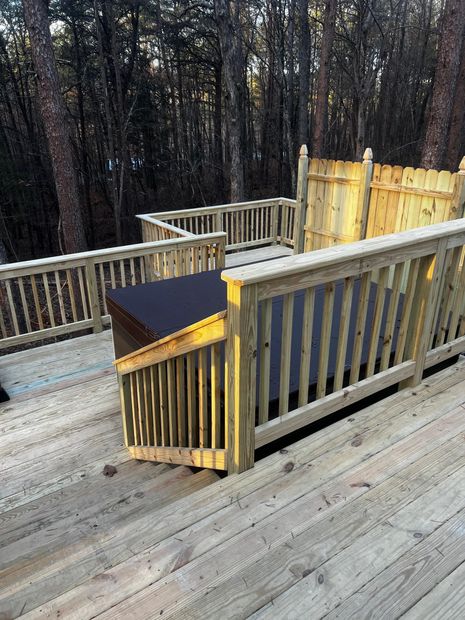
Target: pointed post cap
[(368, 155), (303, 151), (462, 166)]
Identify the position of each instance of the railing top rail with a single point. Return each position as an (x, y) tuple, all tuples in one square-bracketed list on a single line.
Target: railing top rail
[(79, 259), (395, 244), (223, 207), (161, 224), (190, 338)]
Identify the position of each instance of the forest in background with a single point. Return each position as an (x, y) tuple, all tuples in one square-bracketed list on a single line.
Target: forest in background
[(176, 104)]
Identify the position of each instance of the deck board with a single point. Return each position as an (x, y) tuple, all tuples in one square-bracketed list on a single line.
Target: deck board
[(365, 514)]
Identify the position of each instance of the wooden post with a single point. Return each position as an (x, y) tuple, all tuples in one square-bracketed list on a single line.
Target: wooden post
[(301, 199), (241, 356), (364, 193), (218, 221), (425, 309), (458, 199), (92, 291)]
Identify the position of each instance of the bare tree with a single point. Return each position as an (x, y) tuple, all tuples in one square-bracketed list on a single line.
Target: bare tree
[(56, 125), (304, 71), (229, 32), (445, 79), (322, 89)]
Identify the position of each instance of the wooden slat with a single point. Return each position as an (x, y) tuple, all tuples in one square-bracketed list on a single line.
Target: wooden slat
[(360, 322), (37, 307), (216, 375), (286, 344), (306, 345), (391, 316), (181, 401), (24, 304), (265, 360), (48, 299), (191, 401), (202, 396), (172, 402), (377, 319), (406, 311), (164, 404), (193, 457), (325, 340), (344, 323)]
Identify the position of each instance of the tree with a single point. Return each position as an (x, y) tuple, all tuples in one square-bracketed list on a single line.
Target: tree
[(56, 125), (229, 31), (322, 88), (304, 71), (445, 80)]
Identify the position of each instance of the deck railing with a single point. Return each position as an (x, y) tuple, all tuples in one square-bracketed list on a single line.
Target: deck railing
[(247, 224), (171, 397), (381, 336), (63, 294)]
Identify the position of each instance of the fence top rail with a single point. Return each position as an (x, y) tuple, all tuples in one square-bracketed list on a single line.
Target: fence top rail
[(233, 206), (398, 246), (125, 251), (169, 227)]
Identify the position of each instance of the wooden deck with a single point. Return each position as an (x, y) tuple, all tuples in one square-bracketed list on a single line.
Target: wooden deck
[(365, 518)]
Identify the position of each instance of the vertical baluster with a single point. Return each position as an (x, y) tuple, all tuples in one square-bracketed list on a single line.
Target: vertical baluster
[(406, 311), (364, 296), (306, 346), (377, 318), (392, 316), (103, 287), (83, 293), (2, 324), (35, 295), (325, 340), (202, 393), (140, 408), (191, 400), (132, 269), (72, 297), (155, 402), (172, 413), (24, 305), (181, 401), (215, 377), (60, 298), (286, 343), (162, 386), (142, 269), (265, 360), (11, 304), (112, 274), (48, 299), (344, 323), (122, 273), (133, 389)]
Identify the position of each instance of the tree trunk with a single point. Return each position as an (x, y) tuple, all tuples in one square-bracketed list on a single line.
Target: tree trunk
[(457, 123), (322, 89), (229, 30), (445, 79), (304, 71), (56, 127)]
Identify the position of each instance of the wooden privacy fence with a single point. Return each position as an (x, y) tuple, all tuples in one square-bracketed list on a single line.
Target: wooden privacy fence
[(246, 224), (343, 201), (63, 294), (379, 336)]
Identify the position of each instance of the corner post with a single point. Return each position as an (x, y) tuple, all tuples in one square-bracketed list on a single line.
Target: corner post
[(92, 292), (457, 206), (301, 200), (241, 374), (360, 228)]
